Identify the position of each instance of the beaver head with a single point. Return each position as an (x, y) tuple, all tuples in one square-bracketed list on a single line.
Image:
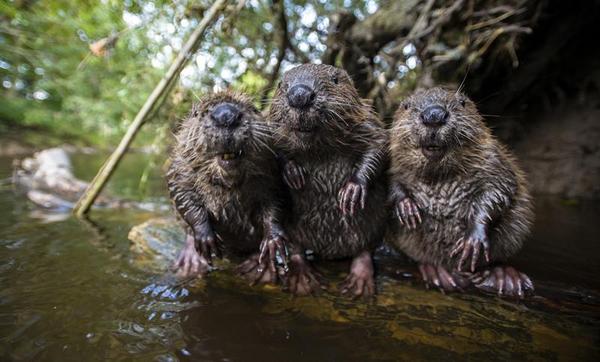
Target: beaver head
[(314, 105), (439, 125), (222, 136)]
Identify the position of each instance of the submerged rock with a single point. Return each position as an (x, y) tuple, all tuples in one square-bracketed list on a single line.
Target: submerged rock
[(156, 242)]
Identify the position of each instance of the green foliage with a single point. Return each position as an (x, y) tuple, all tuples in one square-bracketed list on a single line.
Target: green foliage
[(50, 78)]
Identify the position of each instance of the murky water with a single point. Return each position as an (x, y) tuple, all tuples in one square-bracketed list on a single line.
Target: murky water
[(69, 290)]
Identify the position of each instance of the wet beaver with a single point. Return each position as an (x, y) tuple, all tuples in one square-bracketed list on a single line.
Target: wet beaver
[(224, 183), (459, 195), (332, 146)]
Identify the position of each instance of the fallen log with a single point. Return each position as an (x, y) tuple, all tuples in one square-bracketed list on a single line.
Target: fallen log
[(48, 181)]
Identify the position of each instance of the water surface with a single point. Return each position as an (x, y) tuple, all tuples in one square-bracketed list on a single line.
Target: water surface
[(71, 290)]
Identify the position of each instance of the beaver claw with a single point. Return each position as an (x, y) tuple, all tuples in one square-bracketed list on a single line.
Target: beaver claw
[(302, 279), (360, 281), (504, 280), (471, 247), (408, 213), (270, 247), (256, 272), (354, 193), (206, 244), (293, 175), (442, 279), (189, 262)]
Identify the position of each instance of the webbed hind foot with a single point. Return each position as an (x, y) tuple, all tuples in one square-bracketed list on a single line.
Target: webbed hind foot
[(442, 279), (360, 282), (189, 262), (257, 273), (503, 280), (303, 279)]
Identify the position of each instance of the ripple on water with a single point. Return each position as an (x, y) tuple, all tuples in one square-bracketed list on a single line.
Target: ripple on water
[(70, 290)]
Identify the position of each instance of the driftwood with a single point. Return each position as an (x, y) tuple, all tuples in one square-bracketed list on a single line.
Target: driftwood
[(48, 181)]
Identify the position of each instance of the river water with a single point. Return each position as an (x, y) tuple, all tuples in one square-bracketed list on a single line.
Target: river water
[(72, 290)]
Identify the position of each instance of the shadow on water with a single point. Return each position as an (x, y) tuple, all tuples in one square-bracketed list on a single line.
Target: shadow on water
[(71, 289)]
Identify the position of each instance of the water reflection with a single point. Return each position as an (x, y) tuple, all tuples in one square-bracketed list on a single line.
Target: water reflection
[(70, 289)]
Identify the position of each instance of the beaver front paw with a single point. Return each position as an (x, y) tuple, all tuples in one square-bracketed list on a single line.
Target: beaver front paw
[(256, 272), (360, 281), (442, 279), (408, 213), (293, 175), (470, 247), (504, 280), (270, 248), (353, 194), (206, 243), (190, 263), (302, 279)]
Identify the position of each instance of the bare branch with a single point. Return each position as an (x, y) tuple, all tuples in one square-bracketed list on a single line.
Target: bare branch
[(284, 44)]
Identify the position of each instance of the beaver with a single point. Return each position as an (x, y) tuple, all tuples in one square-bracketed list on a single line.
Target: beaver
[(332, 147), (458, 194), (224, 183)]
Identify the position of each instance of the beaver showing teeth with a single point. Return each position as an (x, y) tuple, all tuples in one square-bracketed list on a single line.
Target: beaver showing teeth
[(432, 151), (460, 198), (230, 159), (224, 184), (332, 147)]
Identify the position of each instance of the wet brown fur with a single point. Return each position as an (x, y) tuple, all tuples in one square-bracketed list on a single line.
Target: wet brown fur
[(476, 175), (346, 140), (236, 201)]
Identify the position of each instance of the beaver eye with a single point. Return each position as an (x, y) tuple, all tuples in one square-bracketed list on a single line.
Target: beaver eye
[(335, 79), (195, 113), (406, 106), (462, 102)]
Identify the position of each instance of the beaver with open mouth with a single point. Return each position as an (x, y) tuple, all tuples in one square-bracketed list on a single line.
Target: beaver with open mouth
[(223, 180), (460, 198)]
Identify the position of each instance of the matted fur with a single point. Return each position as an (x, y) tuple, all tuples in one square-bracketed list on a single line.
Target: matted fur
[(236, 201), (475, 172), (347, 138)]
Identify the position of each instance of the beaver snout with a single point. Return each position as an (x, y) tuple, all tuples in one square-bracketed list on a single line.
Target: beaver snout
[(226, 115), (434, 116), (300, 96)]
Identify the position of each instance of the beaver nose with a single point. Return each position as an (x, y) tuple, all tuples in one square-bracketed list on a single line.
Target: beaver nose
[(225, 115), (434, 116), (300, 96)]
